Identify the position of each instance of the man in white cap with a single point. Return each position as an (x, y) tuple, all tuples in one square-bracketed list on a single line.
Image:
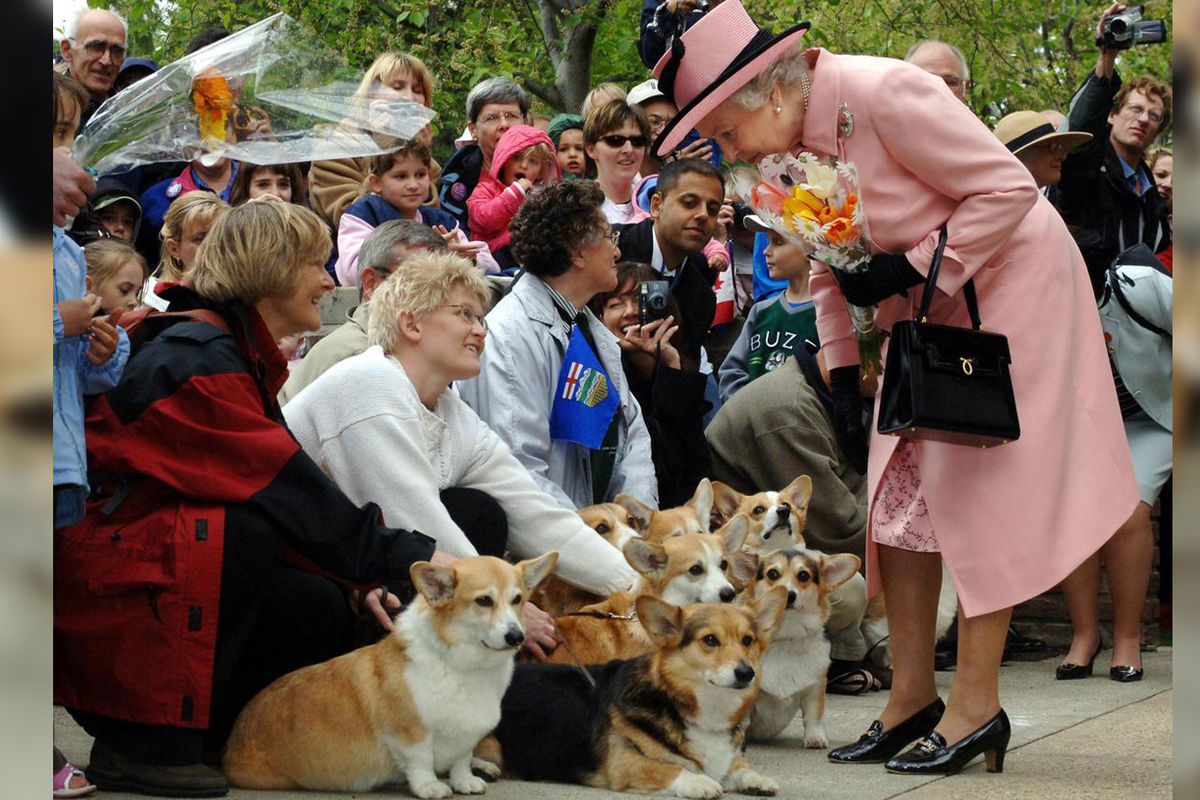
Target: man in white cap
[(659, 110)]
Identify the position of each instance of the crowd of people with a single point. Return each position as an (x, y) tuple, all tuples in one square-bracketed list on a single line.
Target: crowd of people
[(207, 470)]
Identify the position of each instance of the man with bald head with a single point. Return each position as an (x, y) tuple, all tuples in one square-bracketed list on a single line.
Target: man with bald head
[(944, 60), (95, 49)]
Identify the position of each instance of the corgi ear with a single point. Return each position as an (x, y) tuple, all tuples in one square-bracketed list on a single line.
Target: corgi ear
[(648, 558), (743, 567), (702, 500), (639, 511), (726, 499), (535, 570), (768, 609), (435, 583), (663, 621), (735, 532), (799, 494), (837, 569)]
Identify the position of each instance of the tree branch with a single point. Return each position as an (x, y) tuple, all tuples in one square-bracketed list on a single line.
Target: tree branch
[(550, 94)]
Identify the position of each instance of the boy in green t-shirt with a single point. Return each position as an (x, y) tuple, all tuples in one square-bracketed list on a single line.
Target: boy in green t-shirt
[(777, 326)]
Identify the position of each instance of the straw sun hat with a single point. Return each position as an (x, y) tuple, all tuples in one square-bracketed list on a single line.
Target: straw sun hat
[(1021, 130)]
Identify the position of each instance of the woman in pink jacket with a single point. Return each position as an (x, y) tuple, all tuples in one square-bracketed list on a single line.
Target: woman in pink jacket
[(1009, 522)]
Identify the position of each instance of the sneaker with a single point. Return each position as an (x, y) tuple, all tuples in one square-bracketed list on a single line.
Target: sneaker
[(114, 772)]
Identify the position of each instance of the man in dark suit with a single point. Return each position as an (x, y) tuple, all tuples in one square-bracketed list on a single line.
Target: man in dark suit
[(683, 217)]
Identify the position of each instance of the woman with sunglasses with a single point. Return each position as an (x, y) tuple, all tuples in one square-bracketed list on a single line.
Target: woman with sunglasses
[(385, 426), (615, 137)]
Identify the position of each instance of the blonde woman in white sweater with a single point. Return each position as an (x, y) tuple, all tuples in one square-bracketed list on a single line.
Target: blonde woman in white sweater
[(389, 429)]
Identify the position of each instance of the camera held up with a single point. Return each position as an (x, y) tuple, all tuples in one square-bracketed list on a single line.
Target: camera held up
[(1122, 31), (654, 297)]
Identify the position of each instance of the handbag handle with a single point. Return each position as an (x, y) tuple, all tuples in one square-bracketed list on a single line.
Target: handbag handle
[(931, 284)]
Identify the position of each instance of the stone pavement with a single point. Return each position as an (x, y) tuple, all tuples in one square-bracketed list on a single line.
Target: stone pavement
[(1077, 739)]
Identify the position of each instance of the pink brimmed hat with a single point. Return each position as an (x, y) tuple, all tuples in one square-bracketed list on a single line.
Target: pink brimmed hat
[(711, 60)]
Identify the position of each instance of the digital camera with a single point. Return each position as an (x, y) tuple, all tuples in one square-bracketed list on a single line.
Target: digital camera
[(654, 298), (1122, 31)]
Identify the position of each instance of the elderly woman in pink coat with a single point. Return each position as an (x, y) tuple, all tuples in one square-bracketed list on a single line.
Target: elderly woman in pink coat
[(1010, 522)]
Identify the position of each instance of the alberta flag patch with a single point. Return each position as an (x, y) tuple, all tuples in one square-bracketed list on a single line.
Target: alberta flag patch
[(584, 401)]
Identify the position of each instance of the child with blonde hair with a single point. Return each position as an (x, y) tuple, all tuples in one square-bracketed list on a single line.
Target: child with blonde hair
[(116, 273), (187, 222), (525, 158)]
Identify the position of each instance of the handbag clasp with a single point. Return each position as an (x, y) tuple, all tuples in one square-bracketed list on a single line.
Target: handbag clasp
[(968, 367)]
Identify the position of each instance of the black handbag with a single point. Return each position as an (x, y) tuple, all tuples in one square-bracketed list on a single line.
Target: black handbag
[(948, 384)]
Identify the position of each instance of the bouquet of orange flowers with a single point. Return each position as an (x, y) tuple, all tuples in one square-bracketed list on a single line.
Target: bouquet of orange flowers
[(815, 202), (271, 93)]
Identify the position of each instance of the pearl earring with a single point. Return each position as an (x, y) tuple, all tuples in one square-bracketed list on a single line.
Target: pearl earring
[(778, 110)]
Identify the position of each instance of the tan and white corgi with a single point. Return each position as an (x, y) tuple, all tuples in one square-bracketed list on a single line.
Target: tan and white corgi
[(795, 666), (616, 523), (671, 721), (875, 622), (776, 518), (684, 569), (691, 517), (413, 705)]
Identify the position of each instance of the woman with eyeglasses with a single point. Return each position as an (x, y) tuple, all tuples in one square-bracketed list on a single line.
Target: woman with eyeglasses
[(615, 137), (1009, 522), (387, 428), (1031, 137)]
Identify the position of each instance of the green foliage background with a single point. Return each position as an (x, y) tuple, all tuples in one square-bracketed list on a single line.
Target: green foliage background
[(1022, 53)]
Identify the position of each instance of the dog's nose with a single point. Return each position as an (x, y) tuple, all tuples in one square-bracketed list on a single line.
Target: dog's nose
[(783, 510), (726, 594), (514, 636), (743, 673), (791, 599)]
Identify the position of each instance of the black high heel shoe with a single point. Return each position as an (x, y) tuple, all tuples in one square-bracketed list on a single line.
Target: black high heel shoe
[(1125, 674), (1073, 672), (931, 756), (877, 745)]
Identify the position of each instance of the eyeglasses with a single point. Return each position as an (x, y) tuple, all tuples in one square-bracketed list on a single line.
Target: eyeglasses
[(96, 48), (467, 315), (617, 141), (1054, 148), (611, 235), (657, 121), (1137, 110), (493, 118)]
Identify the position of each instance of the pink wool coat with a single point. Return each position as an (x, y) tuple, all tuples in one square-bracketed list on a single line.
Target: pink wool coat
[(1012, 521)]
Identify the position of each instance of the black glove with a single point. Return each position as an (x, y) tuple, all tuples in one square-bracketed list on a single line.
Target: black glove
[(848, 416), (885, 276)]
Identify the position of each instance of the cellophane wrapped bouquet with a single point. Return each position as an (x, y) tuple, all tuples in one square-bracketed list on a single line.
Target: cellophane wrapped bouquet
[(268, 94), (814, 202)]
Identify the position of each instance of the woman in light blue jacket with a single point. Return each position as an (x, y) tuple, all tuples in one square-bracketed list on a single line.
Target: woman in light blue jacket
[(569, 254), (1135, 312)]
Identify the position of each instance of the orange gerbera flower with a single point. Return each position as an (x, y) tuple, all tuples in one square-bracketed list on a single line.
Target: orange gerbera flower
[(213, 101)]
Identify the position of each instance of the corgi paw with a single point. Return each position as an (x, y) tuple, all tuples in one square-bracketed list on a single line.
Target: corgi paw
[(691, 784), (485, 769), (432, 789), (747, 781), (471, 785), (816, 740)]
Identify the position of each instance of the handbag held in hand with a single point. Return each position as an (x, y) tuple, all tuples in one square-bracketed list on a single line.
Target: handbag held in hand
[(947, 384)]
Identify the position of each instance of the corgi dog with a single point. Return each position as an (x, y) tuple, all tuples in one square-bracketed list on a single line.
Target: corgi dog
[(875, 622), (776, 518), (691, 517), (795, 666), (671, 721), (616, 523), (413, 705), (685, 569)]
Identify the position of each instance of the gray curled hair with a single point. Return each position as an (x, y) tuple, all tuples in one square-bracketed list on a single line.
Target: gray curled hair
[(785, 71)]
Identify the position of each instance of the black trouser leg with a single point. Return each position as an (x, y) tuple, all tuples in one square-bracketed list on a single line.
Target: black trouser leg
[(480, 517)]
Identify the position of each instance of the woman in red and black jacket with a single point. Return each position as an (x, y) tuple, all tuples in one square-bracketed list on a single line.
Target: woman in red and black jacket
[(215, 555)]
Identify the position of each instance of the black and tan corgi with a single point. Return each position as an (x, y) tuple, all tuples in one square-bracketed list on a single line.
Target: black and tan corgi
[(671, 721)]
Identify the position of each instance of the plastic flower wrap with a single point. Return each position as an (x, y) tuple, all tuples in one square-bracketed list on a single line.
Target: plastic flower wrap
[(268, 94), (815, 203)]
